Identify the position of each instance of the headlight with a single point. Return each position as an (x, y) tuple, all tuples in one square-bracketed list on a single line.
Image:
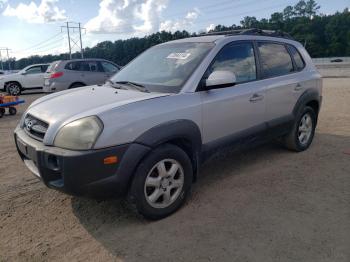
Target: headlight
[(80, 134)]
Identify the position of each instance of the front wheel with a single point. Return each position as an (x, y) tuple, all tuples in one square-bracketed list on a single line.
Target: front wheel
[(12, 111), (14, 89), (302, 134), (162, 182)]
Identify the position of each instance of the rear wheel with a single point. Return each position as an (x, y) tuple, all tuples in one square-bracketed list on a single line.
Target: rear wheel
[(12, 111), (14, 89), (162, 182), (302, 134)]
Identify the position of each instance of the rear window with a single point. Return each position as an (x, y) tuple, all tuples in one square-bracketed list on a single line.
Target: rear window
[(299, 62), (275, 59)]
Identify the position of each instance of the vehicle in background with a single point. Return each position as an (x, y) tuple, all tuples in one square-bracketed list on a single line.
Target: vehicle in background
[(337, 60), (2, 72), (66, 74), (29, 78)]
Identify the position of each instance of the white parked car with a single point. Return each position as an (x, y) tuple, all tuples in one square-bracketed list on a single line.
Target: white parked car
[(31, 77)]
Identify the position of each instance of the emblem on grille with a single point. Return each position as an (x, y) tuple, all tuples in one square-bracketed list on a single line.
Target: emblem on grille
[(29, 124)]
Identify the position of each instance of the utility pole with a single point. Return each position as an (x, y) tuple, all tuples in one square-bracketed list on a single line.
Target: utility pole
[(2, 65), (70, 48), (71, 41), (81, 43), (8, 57)]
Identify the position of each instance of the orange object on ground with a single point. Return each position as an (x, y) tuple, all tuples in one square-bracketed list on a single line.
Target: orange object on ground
[(8, 99)]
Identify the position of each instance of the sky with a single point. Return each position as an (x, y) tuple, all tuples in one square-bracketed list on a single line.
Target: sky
[(33, 27)]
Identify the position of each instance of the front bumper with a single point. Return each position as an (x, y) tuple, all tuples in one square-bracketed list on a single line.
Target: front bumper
[(80, 172)]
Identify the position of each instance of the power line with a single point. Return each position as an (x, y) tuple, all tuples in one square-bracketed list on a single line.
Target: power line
[(237, 14), (40, 43), (42, 46), (222, 10)]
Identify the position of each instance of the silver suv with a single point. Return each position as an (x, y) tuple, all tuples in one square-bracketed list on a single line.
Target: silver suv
[(146, 132), (68, 74)]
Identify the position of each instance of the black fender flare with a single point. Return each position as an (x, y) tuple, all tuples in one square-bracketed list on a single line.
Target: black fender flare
[(174, 130), (306, 97)]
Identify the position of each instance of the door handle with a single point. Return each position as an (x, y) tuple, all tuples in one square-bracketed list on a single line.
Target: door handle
[(298, 87), (256, 97)]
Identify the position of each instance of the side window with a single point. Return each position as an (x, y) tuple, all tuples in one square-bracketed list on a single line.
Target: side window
[(108, 67), (299, 62), (275, 60), (238, 58), (34, 70), (44, 68), (89, 66), (74, 66)]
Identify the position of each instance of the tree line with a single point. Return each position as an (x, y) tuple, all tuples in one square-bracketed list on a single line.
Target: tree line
[(322, 35)]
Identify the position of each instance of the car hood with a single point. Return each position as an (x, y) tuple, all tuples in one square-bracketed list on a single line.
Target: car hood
[(7, 76), (60, 108)]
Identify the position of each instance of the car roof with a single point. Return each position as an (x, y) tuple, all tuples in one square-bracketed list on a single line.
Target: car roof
[(199, 39), (36, 65), (85, 59), (217, 38)]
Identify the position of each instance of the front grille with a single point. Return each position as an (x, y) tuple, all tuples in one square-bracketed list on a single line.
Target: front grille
[(35, 127)]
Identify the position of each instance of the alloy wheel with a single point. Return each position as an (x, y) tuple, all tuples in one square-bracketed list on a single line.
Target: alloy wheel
[(164, 183)]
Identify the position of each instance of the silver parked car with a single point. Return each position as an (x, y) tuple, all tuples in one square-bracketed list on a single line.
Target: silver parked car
[(66, 74), (146, 132)]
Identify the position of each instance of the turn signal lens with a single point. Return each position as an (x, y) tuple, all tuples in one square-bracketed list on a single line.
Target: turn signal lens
[(110, 160)]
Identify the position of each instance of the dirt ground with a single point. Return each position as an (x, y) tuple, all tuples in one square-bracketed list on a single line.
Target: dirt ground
[(265, 204)]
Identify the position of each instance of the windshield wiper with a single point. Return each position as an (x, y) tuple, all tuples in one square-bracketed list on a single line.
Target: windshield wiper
[(114, 85), (136, 86)]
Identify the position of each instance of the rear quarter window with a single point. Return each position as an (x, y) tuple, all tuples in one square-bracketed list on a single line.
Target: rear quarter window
[(275, 59), (298, 59)]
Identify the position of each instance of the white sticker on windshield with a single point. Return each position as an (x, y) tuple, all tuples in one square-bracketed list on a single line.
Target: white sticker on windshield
[(181, 56)]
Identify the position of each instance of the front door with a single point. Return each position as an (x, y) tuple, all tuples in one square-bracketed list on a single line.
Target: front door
[(109, 69), (237, 110), (91, 73), (33, 77)]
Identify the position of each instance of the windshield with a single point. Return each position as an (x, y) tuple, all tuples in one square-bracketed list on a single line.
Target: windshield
[(164, 68)]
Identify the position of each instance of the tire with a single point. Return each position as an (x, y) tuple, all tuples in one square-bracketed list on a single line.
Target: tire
[(302, 134), (14, 89), (12, 111), (76, 85), (2, 112), (167, 191)]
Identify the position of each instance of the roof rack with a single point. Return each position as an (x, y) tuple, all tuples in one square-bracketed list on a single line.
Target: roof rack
[(252, 31)]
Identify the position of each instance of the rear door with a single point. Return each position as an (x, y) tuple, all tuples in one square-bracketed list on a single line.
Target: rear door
[(283, 86), (239, 110)]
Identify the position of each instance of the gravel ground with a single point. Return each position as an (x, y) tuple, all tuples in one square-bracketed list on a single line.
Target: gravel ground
[(265, 204)]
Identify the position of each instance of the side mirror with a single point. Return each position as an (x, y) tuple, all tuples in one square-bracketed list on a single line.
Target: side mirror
[(219, 79), (23, 73)]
